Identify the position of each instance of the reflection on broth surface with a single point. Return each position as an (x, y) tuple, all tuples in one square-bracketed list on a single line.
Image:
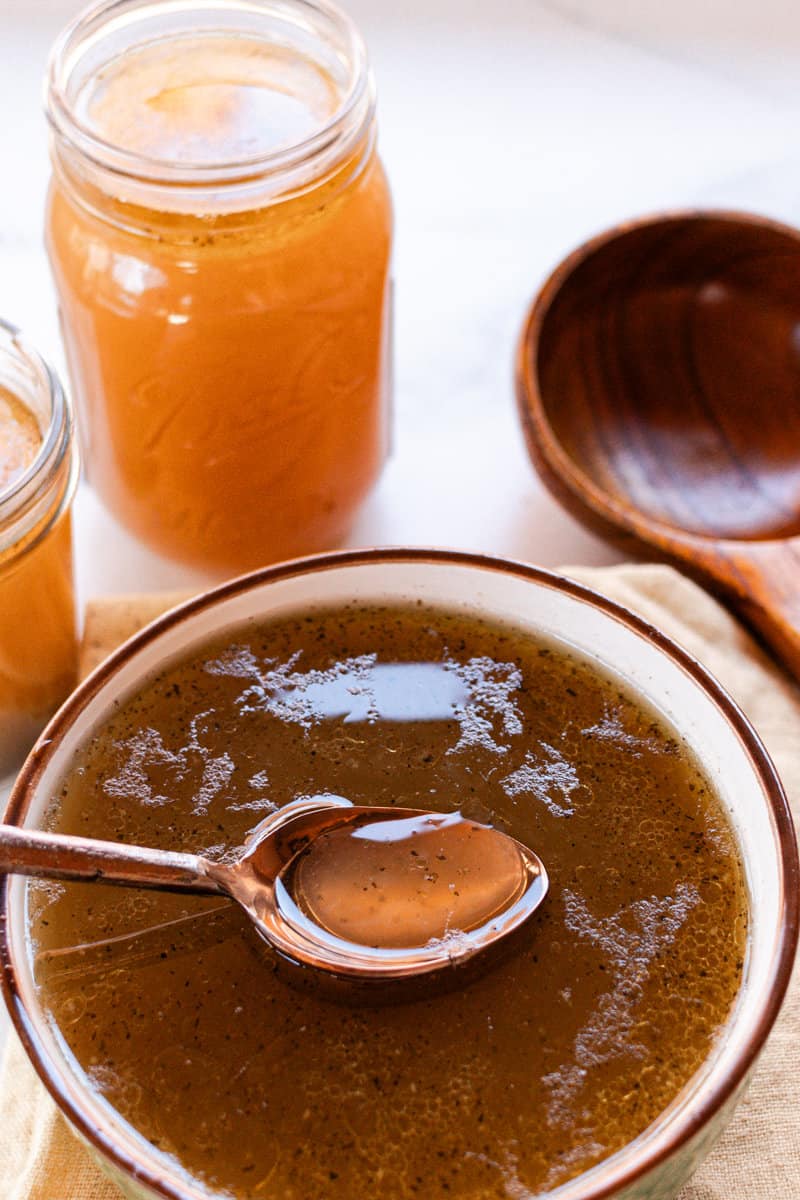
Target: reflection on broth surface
[(508, 1086), (407, 882)]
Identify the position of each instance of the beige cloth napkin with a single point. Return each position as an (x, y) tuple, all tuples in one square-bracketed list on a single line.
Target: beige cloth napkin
[(758, 1158)]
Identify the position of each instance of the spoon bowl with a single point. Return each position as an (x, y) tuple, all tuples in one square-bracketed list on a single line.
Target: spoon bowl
[(658, 381)]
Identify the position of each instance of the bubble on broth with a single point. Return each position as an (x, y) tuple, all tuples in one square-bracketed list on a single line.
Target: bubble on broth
[(39, 899), (612, 729), (716, 830), (262, 804), (630, 940), (147, 756), (97, 967), (490, 685), (216, 773), (145, 750), (397, 1108), (299, 697), (222, 852), (103, 1076), (48, 891), (476, 694), (545, 780)]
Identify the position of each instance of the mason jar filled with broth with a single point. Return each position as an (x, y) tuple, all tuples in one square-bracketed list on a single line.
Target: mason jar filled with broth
[(219, 227), (38, 473)]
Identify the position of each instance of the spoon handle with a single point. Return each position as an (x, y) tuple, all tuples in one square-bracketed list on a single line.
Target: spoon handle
[(765, 581), (57, 856)]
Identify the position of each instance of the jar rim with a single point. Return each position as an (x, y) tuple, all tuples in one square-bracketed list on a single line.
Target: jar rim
[(18, 496), (337, 134)]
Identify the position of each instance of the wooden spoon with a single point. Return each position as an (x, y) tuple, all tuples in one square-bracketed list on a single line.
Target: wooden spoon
[(658, 380)]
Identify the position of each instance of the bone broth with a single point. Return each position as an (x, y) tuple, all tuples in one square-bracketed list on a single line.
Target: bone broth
[(20, 438), (509, 1083)]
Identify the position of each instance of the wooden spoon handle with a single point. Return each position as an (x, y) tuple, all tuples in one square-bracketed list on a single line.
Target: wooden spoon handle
[(56, 856), (765, 583)]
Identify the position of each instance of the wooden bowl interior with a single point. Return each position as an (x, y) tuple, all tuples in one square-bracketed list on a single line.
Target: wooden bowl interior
[(668, 369)]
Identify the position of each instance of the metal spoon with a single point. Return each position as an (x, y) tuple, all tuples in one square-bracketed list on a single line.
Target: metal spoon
[(659, 387), (362, 893)]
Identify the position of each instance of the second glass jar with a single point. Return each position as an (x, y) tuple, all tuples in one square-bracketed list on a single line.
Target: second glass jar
[(38, 475), (219, 228)]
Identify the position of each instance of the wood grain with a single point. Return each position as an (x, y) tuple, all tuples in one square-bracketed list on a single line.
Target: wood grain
[(658, 380)]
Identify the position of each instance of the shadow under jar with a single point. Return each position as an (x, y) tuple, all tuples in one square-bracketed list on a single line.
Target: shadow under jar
[(38, 473), (219, 227)]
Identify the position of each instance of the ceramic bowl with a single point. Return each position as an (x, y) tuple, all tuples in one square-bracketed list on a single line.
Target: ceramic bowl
[(652, 1167)]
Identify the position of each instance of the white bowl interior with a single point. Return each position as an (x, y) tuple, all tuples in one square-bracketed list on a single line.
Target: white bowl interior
[(538, 606)]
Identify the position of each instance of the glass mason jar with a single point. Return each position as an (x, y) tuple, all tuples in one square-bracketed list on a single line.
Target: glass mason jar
[(219, 227), (38, 647)]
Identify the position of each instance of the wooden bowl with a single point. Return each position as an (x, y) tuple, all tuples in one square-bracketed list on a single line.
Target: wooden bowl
[(659, 389)]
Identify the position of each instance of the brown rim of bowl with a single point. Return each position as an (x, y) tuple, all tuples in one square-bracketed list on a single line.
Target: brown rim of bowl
[(566, 481), (697, 1114)]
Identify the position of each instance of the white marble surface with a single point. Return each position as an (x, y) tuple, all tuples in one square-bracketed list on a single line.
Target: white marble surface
[(511, 131)]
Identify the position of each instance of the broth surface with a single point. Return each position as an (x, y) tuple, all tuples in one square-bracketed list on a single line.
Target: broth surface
[(208, 99), (20, 438), (506, 1087)]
